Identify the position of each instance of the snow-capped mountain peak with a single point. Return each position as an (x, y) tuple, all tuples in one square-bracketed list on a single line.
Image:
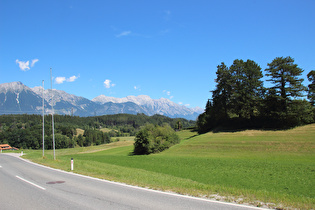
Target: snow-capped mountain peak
[(16, 87), (58, 95), (151, 106), (139, 100), (16, 97)]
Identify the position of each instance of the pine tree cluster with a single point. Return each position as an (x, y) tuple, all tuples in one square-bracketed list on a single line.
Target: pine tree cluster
[(240, 101)]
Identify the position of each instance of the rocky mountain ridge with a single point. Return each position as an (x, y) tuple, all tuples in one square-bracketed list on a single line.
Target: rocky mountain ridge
[(15, 97)]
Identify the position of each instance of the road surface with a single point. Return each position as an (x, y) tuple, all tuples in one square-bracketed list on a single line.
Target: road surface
[(24, 185)]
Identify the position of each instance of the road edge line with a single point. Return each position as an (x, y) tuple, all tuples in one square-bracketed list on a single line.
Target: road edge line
[(31, 183), (143, 188)]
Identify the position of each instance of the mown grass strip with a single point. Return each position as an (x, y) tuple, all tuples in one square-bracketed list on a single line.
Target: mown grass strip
[(271, 168)]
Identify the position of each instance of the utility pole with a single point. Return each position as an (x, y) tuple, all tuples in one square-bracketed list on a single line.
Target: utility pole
[(43, 122), (52, 114)]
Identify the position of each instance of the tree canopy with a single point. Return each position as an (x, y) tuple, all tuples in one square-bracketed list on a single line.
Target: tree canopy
[(153, 138), (285, 76), (241, 101)]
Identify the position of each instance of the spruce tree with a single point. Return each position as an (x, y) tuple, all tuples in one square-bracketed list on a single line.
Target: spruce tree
[(221, 96), (253, 88), (246, 88)]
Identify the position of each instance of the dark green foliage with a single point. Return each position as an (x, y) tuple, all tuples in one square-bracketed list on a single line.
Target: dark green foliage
[(178, 125), (95, 137), (62, 141), (25, 131), (284, 75), (246, 88), (311, 90), (311, 87), (240, 101), (222, 93), (153, 138), (68, 130), (142, 144), (80, 140), (237, 95)]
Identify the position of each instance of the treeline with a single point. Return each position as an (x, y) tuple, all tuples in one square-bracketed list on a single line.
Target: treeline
[(240, 100), (25, 131), (93, 137)]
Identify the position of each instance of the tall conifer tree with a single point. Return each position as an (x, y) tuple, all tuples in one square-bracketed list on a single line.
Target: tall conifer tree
[(246, 88), (222, 94), (284, 75)]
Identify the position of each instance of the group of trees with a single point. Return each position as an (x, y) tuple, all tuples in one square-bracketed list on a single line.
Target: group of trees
[(29, 136), (241, 101), (25, 131), (93, 137), (153, 138)]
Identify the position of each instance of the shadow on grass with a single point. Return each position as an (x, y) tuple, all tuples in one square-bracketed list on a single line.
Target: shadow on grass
[(131, 153)]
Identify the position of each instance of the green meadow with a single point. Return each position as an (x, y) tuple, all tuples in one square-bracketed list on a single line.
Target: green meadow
[(274, 169)]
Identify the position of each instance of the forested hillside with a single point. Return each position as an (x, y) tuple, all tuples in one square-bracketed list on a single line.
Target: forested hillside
[(25, 131)]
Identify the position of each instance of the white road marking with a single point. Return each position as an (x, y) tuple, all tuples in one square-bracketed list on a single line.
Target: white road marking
[(0, 166), (146, 189), (31, 183)]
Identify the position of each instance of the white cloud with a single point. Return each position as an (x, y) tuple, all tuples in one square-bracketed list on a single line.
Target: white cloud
[(180, 103), (124, 33), (60, 80), (34, 61), (168, 93), (72, 79), (24, 65), (108, 83), (137, 88)]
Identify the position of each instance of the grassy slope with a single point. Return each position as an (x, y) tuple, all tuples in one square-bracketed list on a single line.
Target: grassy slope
[(246, 167), (80, 131)]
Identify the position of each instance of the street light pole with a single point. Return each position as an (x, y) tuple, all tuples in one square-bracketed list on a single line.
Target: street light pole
[(52, 114), (43, 123)]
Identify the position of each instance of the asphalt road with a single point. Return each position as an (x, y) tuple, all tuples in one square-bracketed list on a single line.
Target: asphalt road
[(24, 185)]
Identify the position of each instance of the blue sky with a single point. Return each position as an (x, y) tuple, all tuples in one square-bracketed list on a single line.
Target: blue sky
[(159, 48)]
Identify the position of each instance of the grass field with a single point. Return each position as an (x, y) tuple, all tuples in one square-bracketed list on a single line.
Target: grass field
[(273, 169)]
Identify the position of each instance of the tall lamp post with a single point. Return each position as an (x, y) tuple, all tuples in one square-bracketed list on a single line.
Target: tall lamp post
[(52, 114), (43, 122)]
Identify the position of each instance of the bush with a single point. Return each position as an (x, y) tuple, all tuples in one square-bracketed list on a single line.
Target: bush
[(153, 139)]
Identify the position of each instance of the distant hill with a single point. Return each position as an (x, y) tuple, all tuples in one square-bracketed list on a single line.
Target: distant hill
[(17, 98)]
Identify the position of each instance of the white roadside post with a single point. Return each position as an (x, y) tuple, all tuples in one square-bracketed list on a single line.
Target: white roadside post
[(71, 164)]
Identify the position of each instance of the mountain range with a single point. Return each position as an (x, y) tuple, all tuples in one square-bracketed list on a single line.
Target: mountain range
[(17, 98)]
